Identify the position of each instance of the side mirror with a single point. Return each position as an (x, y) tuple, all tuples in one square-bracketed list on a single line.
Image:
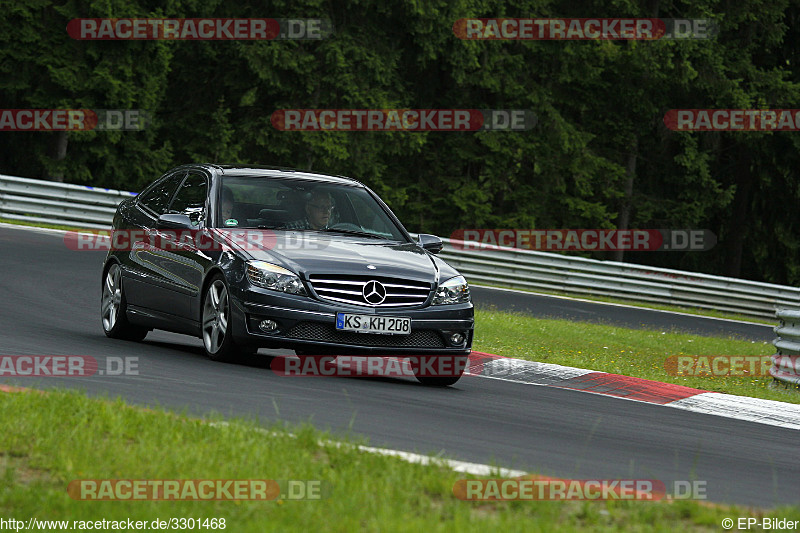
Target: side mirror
[(174, 221), (432, 243)]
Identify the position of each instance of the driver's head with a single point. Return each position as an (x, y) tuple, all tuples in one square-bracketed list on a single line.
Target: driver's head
[(227, 203), (318, 209)]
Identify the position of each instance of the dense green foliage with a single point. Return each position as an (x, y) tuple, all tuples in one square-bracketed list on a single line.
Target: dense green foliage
[(599, 157)]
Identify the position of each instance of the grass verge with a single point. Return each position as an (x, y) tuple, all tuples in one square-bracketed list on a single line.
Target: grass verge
[(648, 305), (54, 438), (44, 225), (630, 352)]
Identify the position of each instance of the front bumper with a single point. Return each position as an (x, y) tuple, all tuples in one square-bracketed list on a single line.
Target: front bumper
[(308, 324)]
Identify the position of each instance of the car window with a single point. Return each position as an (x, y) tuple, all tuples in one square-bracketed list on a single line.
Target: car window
[(281, 203), (157, 197), (191, 197), (368, 214)]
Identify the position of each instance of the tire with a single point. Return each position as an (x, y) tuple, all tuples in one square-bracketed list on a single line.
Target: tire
[(215, 324), (114, 306), (456, 363)]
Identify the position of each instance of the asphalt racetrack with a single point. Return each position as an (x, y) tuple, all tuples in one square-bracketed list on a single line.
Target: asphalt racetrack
[(50, 306)]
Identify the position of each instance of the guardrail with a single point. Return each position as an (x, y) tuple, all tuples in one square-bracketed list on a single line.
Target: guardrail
[(58, 203), (527, 269), (786, 363), (91, 207)]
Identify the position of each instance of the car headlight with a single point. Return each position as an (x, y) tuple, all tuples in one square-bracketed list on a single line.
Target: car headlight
[(269, 276), (453, 291)]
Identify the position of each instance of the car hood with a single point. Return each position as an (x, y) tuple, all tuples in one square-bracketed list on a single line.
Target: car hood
[(308, 253)]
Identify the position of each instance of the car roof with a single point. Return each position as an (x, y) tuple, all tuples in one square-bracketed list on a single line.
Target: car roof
[(280, 172)]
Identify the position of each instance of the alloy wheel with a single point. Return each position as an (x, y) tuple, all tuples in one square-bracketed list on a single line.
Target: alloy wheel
[(112, 298), (215, 316)]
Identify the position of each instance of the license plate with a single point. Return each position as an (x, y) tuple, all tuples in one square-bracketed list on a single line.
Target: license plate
[(387, 325)]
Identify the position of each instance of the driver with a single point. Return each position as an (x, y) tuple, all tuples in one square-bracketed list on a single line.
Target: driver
[(318, 210), (227, 204)]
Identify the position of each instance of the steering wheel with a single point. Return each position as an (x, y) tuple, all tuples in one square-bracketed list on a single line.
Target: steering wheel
[(347, 226)]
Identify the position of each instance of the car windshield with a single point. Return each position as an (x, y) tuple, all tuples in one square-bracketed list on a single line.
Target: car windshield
[(302, 205)]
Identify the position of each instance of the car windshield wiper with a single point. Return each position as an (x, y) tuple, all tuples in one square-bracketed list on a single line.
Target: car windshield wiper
[(361, 234), (261, 226)]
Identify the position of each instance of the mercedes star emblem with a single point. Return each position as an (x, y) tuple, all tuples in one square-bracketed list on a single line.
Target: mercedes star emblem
[(374, 292)]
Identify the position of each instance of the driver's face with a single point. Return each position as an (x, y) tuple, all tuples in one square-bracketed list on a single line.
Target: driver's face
[(318, 211), (227, 210)]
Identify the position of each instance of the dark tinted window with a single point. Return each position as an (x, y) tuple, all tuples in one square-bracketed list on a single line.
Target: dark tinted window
[(282, 203), (191, 197), (157, 197)]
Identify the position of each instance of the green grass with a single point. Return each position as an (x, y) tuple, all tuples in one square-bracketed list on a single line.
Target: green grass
[(648, 305), (44, 225), (630, 352), (50, 439)]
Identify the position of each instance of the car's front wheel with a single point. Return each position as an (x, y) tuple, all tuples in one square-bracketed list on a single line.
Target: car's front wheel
[(114, 306), (216, 324)]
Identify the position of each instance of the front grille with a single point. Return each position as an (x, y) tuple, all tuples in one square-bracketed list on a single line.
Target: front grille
[(349, 289), (312, 331)]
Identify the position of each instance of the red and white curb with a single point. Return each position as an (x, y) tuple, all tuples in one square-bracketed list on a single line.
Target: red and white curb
[(768, 412), (486, 365)]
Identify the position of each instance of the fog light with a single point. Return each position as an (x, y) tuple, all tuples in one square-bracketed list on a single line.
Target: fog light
[(268, 326), (456, 338)]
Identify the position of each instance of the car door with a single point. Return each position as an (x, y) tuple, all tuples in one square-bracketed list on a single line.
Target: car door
[(181, 262), (173, 266), (143, 288)]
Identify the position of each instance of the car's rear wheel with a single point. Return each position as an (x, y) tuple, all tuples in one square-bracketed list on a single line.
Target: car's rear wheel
[(439, 370), (216, 324), (114, 306)]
